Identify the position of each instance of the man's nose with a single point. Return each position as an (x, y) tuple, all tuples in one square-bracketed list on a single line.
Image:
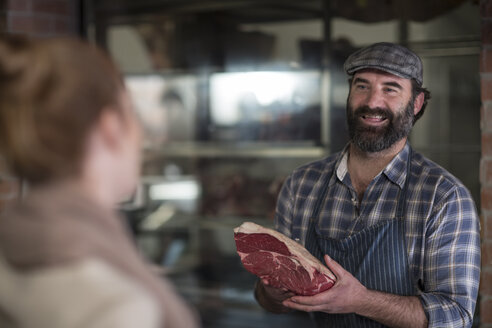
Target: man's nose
[(375, 99)]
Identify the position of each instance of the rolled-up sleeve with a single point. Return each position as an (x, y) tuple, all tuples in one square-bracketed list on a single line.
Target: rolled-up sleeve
[(451, 272)]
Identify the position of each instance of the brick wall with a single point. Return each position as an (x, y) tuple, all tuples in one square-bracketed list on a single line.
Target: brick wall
[(486, 163), (39, 19)]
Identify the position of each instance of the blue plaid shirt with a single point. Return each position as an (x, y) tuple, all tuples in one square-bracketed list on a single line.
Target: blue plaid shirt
[(442, 226)]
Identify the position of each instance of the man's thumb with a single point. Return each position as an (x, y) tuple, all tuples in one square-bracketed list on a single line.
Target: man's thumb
[(333, 266)]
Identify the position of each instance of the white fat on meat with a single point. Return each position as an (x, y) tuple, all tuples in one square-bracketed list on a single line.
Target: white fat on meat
[(301, 254)]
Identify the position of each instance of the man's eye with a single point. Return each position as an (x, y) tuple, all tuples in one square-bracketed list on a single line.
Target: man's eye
[(389, 90), (361, 87)]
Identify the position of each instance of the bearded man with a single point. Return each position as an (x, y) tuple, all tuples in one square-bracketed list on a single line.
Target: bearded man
[(401, 233)]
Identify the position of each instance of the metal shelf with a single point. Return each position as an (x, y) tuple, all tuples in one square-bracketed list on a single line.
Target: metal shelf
[(188, 150)]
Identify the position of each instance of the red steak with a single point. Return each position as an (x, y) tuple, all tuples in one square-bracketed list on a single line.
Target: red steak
[(281, 261)]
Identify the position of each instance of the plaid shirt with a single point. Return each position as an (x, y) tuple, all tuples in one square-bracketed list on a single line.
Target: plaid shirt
[(441, 222)]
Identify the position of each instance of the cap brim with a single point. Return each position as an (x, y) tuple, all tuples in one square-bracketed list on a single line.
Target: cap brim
[(354, 70)]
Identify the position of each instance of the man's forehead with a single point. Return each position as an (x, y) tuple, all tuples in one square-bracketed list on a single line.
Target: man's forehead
[(366, 72)]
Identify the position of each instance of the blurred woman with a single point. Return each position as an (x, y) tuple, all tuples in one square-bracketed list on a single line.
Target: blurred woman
[(67, 127)]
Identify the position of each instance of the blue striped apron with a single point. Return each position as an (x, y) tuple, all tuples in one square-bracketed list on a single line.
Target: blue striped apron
[(376, 256)]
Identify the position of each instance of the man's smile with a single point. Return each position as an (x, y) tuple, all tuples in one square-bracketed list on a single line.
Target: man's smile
[(374, 119)]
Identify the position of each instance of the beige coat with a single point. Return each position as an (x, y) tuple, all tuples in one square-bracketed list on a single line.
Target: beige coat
[(65, 262)]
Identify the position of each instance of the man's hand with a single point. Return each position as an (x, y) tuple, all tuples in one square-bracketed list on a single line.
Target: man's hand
[(348, 295), (276, 294), (344, 297), (271, 298)]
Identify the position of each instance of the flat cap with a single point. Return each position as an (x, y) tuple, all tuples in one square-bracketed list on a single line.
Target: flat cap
[(388, 57)]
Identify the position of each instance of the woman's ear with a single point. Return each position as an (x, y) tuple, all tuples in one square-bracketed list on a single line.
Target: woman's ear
[(110, 126)]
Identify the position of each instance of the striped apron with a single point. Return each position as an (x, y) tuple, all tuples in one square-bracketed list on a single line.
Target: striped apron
[(376, 256)]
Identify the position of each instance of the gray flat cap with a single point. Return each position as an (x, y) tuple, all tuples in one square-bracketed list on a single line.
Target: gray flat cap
[(388, 57)]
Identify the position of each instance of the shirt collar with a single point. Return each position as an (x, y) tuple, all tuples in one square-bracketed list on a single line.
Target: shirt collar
[(395, 171), (342, 165)]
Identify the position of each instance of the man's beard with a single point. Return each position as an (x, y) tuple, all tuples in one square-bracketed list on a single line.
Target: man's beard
[(374, 139)]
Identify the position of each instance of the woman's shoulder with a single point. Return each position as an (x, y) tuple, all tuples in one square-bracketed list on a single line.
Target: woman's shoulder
[(83, 293)]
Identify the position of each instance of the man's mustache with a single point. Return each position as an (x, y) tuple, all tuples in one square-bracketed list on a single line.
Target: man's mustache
[(366, 110)]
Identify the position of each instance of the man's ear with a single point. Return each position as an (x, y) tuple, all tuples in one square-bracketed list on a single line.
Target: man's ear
[(419, 101)]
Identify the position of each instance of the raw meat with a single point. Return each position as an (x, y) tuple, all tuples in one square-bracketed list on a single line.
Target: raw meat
[(281, 261)]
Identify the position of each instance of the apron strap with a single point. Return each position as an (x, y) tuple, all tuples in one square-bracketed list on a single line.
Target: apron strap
[(320, 200), (402, 204)]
